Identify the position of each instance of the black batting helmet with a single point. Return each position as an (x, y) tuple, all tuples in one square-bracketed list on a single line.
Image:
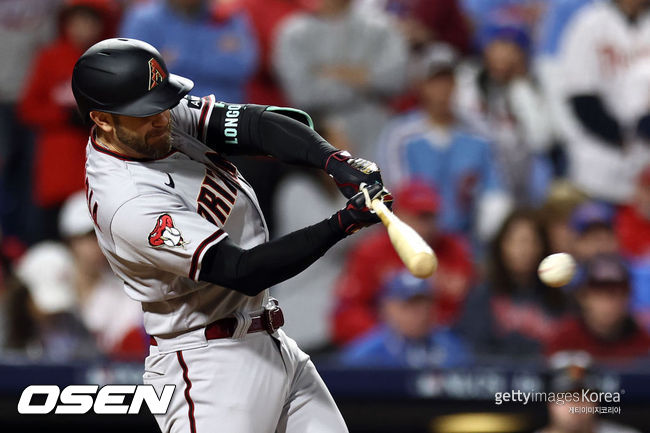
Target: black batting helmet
[(125, 76)]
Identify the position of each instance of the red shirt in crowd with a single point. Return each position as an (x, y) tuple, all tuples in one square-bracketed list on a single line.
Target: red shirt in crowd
[(573, 335), (375, 260), (633, 231), (446, 20), (48, 105), (266, 16)]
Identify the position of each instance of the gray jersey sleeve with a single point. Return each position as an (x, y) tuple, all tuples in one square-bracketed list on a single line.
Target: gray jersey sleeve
[(157, 234)]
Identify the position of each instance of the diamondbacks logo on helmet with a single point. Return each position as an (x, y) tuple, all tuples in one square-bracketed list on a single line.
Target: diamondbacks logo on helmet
[(156, 73), (165, 233)]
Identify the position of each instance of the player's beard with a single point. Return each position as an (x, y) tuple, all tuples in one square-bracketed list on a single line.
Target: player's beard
[(154, 144)]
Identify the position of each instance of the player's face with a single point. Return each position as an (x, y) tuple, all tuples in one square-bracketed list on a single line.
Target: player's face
[(596, 240), (521, 248), (604, 308), (411, 318), (504, 60), (83, 28), (148, 136)]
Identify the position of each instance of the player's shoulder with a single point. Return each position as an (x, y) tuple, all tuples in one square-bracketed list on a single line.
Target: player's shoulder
[(407, 124), (114, 180), (298, 24), (193, 102), (368, 345), (447, 337), (373, 22), (191, 105), (470, 136), (594, 14)]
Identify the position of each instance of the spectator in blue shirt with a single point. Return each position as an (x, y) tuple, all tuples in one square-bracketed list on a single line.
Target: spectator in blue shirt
[(407, 338), (217, 51), (432, 144)]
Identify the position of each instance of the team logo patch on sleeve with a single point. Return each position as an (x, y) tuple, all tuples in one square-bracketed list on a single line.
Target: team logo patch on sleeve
[(156, 73), (194, 102), (165, 233)]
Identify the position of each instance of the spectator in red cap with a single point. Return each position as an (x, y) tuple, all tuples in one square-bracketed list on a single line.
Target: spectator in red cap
[(374, 260), (633, 221), (605, 328), (48, 106)]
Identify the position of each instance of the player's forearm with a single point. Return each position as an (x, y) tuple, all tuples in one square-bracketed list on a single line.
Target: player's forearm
[(593, 115), (288, 140), (251, 271), (254, 270)]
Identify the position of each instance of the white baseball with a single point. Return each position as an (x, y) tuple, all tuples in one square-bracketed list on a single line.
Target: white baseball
[(557, 269), (171, 236)]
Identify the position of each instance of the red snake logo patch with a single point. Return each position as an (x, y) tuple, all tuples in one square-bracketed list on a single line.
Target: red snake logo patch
[(165, 233)]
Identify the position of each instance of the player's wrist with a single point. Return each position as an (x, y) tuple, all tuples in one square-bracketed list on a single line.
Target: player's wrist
[(334, 159), (346, 222), (339, 221)]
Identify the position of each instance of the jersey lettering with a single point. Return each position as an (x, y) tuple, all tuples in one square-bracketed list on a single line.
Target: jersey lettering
[(611, 59), (93, 207), (222, 163), (231, 123), (214, 201)]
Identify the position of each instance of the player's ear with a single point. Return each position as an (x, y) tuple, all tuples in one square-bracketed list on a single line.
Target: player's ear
[(104, 121)]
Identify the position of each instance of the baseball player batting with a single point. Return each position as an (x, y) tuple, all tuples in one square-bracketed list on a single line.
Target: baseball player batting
[(183, 229)]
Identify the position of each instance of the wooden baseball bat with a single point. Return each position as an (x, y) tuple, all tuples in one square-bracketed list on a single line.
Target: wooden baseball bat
[(418, 257)]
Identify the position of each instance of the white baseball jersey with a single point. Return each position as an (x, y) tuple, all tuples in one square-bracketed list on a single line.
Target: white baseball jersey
[(604, 54), (602, 51), (156, 218)]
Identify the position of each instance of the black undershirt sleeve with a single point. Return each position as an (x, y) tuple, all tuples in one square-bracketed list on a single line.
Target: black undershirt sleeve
[(254, 270), (594, 117), (258, 131), (643, 127)]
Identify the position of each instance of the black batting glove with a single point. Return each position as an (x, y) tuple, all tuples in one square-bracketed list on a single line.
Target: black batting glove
[(349, 173), (356, 213)]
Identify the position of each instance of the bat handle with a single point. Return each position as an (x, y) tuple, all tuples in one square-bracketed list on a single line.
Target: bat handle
[(382, 211)]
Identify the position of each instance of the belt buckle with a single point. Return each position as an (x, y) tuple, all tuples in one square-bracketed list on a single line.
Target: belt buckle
[(268, 319)]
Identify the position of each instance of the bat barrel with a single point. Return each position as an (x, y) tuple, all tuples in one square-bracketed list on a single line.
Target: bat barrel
[(422, 265)]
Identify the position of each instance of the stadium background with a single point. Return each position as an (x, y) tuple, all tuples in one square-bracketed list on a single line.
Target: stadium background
[(481, 114)]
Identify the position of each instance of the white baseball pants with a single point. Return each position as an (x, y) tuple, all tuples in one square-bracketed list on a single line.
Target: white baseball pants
[(257, 384)]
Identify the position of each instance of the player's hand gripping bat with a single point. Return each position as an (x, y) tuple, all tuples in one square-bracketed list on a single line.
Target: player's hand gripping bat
[(418, 257)]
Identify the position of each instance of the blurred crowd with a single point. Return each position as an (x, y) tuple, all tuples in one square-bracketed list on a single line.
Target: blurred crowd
[(506, 129)]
